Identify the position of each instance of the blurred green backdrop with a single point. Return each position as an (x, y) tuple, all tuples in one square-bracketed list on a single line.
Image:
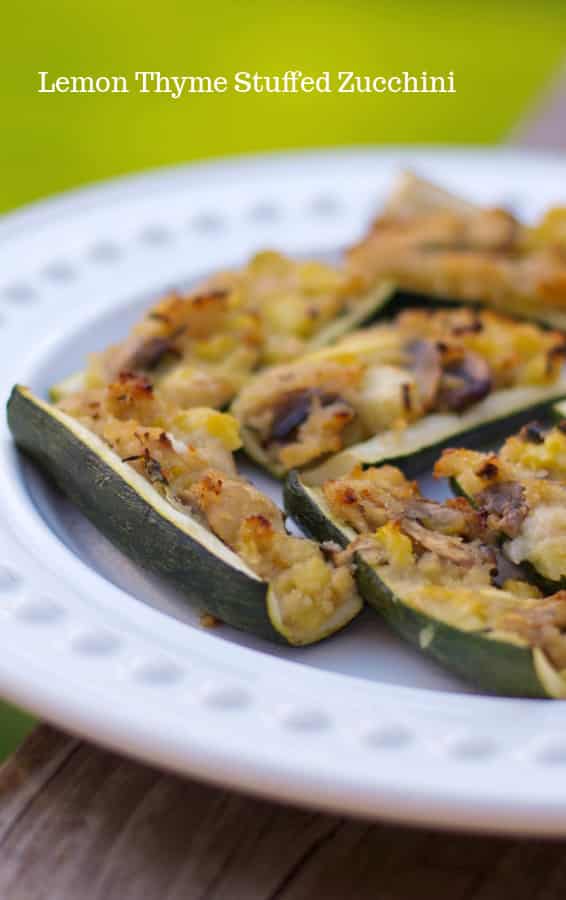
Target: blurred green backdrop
[(503, 55)]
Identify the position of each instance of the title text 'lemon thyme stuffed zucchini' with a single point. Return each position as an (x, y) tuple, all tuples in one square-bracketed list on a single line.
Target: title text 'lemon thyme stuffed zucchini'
[(435, 574)]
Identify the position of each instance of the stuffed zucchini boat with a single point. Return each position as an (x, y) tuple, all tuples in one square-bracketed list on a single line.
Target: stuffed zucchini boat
[(433, 571), (201, 347), (521, 492), (439, 245), (399, 391), (161, 484)]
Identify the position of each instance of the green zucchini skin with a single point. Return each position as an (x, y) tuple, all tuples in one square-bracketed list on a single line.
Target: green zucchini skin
[(494, 665), (545, 584), (475, 437), (302, 507), (135, 526)]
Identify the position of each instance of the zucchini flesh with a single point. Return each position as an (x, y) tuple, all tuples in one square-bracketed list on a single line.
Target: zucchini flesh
[(498, 662), (139, 521), (417, 445), (367, 308), (398, 390), (70, 385)]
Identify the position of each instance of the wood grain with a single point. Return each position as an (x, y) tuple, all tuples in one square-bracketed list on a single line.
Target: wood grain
[(81, 823)]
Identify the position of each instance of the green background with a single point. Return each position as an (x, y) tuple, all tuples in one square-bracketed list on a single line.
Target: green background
[(503, 55)]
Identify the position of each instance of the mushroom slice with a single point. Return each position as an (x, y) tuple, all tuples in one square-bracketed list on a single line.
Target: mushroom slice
[(454, 517), (140, 354), (505, 507), (533, 433), (453, 549), (466, 379), (292, 410), (151, 353), (426, 364)]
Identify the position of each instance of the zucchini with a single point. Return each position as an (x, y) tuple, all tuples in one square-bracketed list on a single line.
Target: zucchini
[(387, 395), (494, 659), (418, 445), (367, 308), (434, 244), (546, 318), (146, 527), (521, 493), (497, 663)]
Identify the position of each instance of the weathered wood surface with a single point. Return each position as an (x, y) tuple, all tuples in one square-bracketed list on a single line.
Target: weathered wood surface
[(80, 823)]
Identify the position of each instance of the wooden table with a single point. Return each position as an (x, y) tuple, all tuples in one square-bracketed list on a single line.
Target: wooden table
[(81, 823)]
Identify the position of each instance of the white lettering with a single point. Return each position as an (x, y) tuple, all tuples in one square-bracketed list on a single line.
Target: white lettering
[(410, 80), (143, 77), (345, 85), (323, 83), (242, 82), (43, 89)]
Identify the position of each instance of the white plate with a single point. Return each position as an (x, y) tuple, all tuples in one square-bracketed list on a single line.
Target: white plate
[(360, 724)]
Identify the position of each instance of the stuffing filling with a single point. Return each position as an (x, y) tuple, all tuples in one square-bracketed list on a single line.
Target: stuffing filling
[(187, 455), (521, 492), (432, 243), (200, 347), (389, 376), (442, 559)]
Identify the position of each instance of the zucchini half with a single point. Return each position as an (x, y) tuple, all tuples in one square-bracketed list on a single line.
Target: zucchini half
[(417, 446), (367, 308), (499, 663), (139, 521), (414, 199), (545, 317)]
